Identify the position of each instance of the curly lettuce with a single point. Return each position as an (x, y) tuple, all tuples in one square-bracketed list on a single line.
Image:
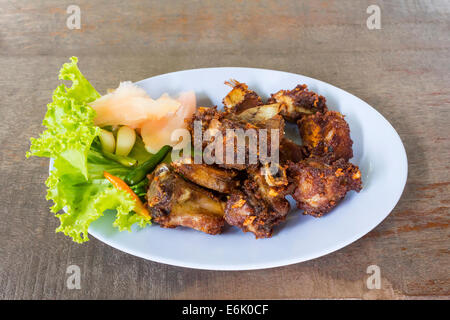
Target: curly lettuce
[(76, 184)]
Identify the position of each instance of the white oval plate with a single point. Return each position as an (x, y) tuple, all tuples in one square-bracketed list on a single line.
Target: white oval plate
[(378, 151)]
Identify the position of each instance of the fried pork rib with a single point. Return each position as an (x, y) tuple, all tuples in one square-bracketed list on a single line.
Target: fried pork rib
[(208, 176), (319, 187), (290, 151), (317, 174), (173, 202), (268, 115), (215, 121), (260, 204), (326, 135), (240, 97), (261, 113), (263, 117), (298, 102)]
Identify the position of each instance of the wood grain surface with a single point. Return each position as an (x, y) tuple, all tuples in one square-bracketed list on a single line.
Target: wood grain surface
[(402, 70)]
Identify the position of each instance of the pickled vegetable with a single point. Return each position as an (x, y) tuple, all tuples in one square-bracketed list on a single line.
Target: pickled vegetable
[(126, 137), (107, 140)]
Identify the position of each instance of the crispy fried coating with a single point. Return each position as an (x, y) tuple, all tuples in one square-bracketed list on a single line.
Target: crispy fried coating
[(272, 188), (251, 214), (208, 176), (173, 202), (263, 117), (232, 125), (319, 187), (261, 113), (298, 102), (260, 204), (228, 122), (326, 135), (317, 174), (240, 98), (290, 151), (205, 115)]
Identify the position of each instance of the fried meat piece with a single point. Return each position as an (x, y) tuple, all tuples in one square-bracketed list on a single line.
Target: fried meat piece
[(208, 176), (263, 117), (261, 113), (275, 122), (298, 102), (226, 123), (204, 115), (173, 202), (260, 204), (240, 97), (290, 151), (319, 187), (272, 187), (269, 116), (225, 126), (326, 135)]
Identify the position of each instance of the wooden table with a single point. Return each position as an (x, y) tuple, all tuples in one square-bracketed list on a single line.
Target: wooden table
[(402, 70)]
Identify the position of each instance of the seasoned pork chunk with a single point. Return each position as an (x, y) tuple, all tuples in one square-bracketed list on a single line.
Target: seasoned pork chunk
[(240, 97), (326, 135), (318, 187), (173, 202), (260, 204), (225, 123), (298, 102), (208, 176), (260, 113), (290, 151)]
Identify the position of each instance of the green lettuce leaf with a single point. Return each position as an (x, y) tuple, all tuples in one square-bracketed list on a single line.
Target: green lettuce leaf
[(97, 163), (81, 89), (76, 183)]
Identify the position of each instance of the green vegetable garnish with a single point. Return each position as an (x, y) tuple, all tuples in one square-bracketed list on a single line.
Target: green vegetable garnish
[(141, 170), (123, 160), (77, 183)]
